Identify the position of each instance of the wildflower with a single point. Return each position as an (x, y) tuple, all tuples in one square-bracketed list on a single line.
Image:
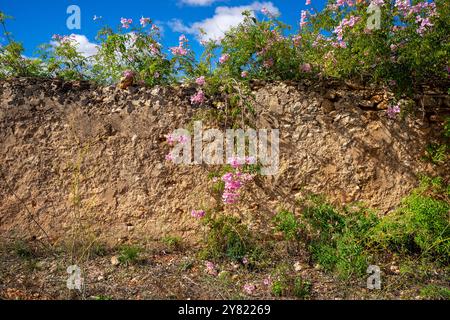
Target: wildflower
[(178, 51), (211, 268), (244, 74), (200, 81), (198, 214), (155, 48), (378, 3), (249, 289), (128, 74), (144, 22), (126, 22), (183, 139), (267, 281), (297, 40), (156, 75), (265, 11), (235, 162), (303, 18), (250, 160), (170, 157), (245, 261), (198, 98), (306, 67), (393, 111), (308, 2), (224, 58)]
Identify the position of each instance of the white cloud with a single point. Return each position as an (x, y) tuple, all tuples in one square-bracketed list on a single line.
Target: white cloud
[(197, 3), (223, 20), (84, 46)]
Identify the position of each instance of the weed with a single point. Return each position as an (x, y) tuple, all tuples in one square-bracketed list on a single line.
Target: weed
[(434, 292), (129, 254), (227, 238), (302, 288), (172, 242), (436, 153), (287, 223)]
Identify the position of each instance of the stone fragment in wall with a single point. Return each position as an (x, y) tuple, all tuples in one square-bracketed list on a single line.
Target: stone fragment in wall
[(126, 82), (383, 105)]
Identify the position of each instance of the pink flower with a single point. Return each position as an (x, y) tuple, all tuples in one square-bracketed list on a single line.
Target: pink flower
[(200, 81), (170, 157), (245, 261), (178, 51), (244, 74), (170, 139), (265, 11), (183, 139), (198, 98), (211, 268), (224, 58), (268, 281), (393, 111), (126, 22), (155, 49), (306, 67), (198, 214), (249, 289), (128, 74), (297, 40), (308, 2), (303, 14), (144, 21), (250, 160)]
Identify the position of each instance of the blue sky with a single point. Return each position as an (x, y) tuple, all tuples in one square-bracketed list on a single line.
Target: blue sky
[(36, 21)]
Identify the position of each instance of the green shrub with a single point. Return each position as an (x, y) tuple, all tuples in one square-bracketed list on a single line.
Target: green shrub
[(172, 242), (227, 238), (420, 225), (436, 153), (287, 223), (302, 288), (129, 254), (338, 240), (435, 292)]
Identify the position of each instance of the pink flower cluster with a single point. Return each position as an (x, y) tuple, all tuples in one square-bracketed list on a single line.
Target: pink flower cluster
[(198, 214), (234, 181), (155, 48), (145, 21), (423, 24), (224, 58), (198, 98), (128, 74), (210, 268), (306, 67), (303, 18), (181, 49), (126, 22), (249, 289), (200, 81), (393, 111), (350, 23), (171, 139)]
